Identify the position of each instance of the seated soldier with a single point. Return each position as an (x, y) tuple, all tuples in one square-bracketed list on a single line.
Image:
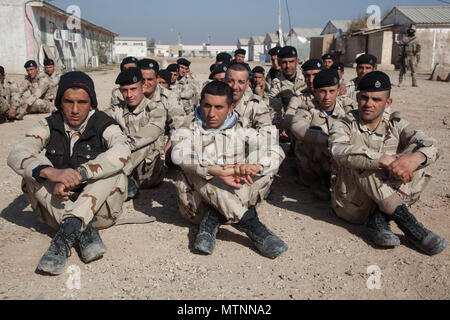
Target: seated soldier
[(219, 184), (339, 66), (78, 185), (365, 63), (9, 96), (33, 92), (143, 122), (164, 78), (379, 167), (116, 96), (310, 127), (259, 85)]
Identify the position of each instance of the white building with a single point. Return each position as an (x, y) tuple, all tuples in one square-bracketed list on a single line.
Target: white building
[(300, 39), (335, 26), (255, 48), (130, 46), (270, 41), (183, 50), (243, 44), (37, 30)]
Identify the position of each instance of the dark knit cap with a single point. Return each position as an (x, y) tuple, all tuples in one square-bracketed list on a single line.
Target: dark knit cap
[(76, 79)]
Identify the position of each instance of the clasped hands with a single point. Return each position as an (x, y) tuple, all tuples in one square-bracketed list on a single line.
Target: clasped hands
[(402, 166), (234, 174), (65, 180)]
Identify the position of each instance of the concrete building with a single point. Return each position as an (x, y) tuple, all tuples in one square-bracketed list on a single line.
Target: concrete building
[(38, 30), (255, 48), (242, 43), (432, 30), (333, 26), (182, 50), (300, 39), (130, 46)]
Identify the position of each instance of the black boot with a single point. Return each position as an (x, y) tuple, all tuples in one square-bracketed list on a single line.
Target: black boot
[(54, 260), (90, 244), (133, 191), (422, 238), (206, 236), (265, 241), (379, 230)]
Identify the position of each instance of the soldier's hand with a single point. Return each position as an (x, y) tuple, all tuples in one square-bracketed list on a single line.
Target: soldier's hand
[(386, 159), (60, 191), (70, 178), (12, 113), (403, 168)]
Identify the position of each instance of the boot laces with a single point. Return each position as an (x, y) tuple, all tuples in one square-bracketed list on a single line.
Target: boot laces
[(60, 244)]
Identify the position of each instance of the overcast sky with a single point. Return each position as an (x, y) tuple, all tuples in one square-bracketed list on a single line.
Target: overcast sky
[(223, 21)]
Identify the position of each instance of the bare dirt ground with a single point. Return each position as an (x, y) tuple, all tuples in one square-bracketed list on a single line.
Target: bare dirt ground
[(327, 257)]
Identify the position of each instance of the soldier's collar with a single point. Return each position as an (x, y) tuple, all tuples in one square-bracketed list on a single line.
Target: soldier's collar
[(140, 107)]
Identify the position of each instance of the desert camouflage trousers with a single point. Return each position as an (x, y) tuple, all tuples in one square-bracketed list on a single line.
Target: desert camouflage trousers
[(101, 199), (354, 195), (39, 106), (313, 162), (196, 194), (147, 168), (410, 62)]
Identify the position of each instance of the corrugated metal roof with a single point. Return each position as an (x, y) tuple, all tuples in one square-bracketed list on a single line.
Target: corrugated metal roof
[(307, 32), (243, 41), (341, 24), (272, 36), (426, 15), (257, 39)]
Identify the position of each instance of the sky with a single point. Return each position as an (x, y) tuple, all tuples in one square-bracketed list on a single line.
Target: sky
[(221, 22)]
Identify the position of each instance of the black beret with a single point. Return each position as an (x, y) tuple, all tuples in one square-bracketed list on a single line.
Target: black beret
[(274, 51), (328, 56), (366, 58), (312, 64), (223, 56), (2, 70), (211, 67), (218, 69), (326, 78), (166, 75), (30, 63), (337, 66), (184, 62), (49, 62), (258, 69), (374, 81), (148, 64), (174, 67), (128, 60), (287, 52), (76, 79), (240, 51), (129, 76)]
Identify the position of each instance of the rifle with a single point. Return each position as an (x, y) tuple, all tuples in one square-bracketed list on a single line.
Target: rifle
[(403, 61)]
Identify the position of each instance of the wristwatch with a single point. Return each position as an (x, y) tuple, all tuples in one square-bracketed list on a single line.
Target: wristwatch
[(82, 171), (36, 173)]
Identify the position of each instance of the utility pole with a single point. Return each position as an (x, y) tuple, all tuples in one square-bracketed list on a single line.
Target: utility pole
[(280, 31)]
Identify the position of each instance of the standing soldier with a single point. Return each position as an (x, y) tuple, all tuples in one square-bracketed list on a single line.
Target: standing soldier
[(239, 55), (288, 84), (9, 96), (275, 70), (144, 123), (259, 85), (311, 126), (365, 63), (381, 167), (116, 96), (226, 170), (49, 67), (252, 111), (33, 91), (328, 60), (410, 55), (77, 186), (188, 87)]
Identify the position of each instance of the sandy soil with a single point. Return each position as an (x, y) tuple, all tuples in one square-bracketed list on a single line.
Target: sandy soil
[(327, 257)]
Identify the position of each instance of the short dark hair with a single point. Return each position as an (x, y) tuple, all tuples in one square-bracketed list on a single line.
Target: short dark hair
[(218, 88), (239, 66)]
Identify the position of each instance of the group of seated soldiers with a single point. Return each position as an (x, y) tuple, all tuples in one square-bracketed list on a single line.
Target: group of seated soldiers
[(350, 145)]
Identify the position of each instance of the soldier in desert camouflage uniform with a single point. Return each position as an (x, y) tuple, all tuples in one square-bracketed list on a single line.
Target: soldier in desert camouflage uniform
[(143, 122), (365, 63), (33, 91), (380, 167), (410, 55), (53, 75), (116, 96), (310, 127), (288, 84), (226, 171), (9, 96), (78, 185), (187, 86), (259, 85), (252, 111), (275, 70)]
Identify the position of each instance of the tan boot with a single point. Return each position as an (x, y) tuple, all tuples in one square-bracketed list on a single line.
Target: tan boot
[(414, 82)]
